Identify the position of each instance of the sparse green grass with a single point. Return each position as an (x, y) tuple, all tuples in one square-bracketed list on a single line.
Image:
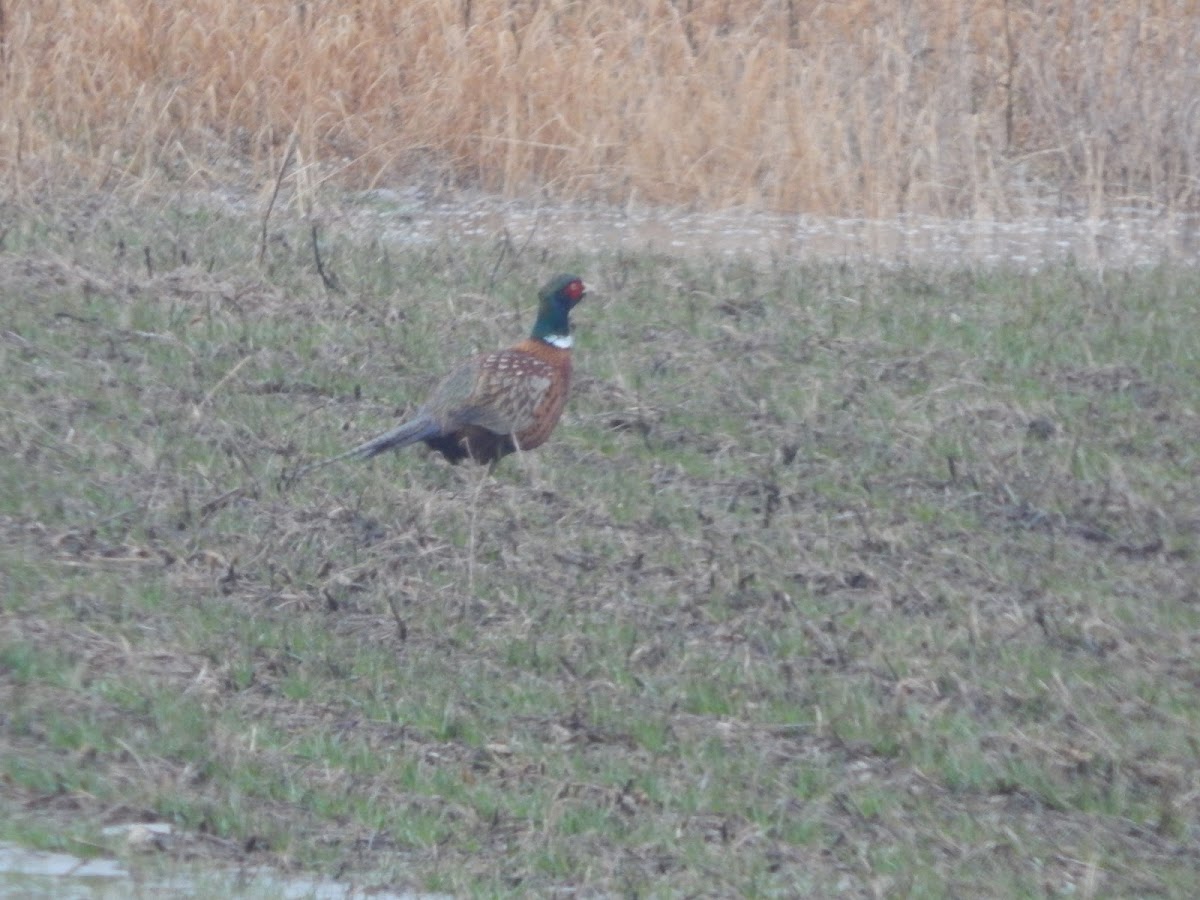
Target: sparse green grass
[(834, 578)]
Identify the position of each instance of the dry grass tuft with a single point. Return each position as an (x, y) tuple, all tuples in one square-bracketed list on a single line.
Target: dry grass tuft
[(864, 107)]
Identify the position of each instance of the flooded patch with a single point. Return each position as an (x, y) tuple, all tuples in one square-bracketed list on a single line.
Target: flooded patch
[(1137, 240), (40, 873)]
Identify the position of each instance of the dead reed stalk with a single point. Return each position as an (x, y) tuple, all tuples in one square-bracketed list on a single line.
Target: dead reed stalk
[(979, 107)]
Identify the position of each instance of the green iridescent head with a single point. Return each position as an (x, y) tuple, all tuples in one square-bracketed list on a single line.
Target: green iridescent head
[(556, 299)]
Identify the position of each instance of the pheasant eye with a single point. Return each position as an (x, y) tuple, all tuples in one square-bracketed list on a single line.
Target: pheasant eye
[(575, 290)]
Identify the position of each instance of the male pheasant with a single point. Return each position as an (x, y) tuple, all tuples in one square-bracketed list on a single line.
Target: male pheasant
[(495, 403)]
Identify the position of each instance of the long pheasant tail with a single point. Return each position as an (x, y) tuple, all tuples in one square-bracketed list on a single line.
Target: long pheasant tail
[(410, 432)]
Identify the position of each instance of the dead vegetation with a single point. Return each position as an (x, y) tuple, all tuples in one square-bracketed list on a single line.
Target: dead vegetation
[(986, 108)]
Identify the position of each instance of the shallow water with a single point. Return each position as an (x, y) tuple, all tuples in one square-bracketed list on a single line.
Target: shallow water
[(1138, 239), (37, 873)]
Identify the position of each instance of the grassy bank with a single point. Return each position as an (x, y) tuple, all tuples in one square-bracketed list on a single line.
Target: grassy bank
[(986, 108), (833, 578)]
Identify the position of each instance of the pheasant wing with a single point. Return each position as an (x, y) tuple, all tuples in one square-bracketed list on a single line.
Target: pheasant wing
[(498, 391)]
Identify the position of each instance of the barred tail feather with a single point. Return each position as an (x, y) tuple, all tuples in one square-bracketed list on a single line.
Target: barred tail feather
[(410, 432)]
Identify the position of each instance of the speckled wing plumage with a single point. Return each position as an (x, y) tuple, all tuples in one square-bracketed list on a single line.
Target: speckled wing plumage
[(499, 402), (497, 391)]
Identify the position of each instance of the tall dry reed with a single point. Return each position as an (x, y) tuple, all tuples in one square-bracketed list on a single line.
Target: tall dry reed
[(863, 107)]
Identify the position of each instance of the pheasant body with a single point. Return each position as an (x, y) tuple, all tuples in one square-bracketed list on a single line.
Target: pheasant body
[(495, 403)]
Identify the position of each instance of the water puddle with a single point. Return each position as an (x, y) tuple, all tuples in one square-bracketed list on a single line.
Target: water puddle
[(1139, 239), (61, 876)]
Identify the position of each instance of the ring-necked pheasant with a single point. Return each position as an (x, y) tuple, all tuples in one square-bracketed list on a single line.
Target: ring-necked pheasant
[(495, 403)]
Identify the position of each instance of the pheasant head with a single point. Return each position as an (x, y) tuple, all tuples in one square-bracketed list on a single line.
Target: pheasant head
[(556, 300)]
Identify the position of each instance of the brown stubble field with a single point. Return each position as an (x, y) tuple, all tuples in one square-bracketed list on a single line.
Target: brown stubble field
[(833, 578)]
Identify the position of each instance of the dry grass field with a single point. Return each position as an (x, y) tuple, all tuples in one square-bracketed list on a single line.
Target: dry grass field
[(834, 579), (985, 108)]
